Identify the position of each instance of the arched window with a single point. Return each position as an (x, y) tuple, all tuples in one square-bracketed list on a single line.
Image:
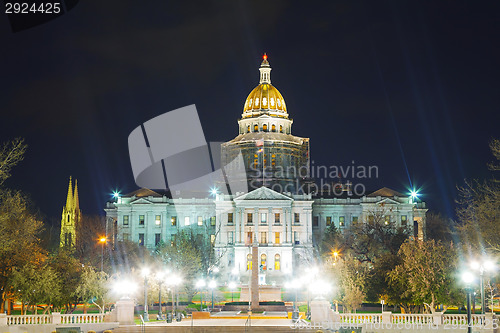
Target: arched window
[(263, 261), (255, 128), (264, 127), (249, 262), (248, 129), (281, 128), (273, 128), (277, 265)]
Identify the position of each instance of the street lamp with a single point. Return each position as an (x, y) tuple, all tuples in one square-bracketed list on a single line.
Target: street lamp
[(159, 276), (212, 284), (200, 284), (232, 286), (295, 284), (145, 273), (483, 266), (102, 240), (468, 278)]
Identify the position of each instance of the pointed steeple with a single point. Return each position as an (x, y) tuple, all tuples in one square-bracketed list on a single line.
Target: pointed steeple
[(265, 71), (69, 199), (76, 202)]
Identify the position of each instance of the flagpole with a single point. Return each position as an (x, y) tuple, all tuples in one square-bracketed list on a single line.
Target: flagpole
[(263, 157)]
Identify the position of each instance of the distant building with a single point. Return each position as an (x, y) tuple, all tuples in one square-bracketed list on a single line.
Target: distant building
[(285, 221), (71, 216)]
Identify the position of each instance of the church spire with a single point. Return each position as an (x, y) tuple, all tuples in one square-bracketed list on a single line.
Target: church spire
[(76, 202), (69, 199), (265, 71)]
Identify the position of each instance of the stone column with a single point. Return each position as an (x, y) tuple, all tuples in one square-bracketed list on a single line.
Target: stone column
[(386, 317), (255, 278), (125, 311), (56, 318), (3, 319)]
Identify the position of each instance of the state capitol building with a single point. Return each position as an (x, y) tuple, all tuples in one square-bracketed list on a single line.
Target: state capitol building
[(285, 221)]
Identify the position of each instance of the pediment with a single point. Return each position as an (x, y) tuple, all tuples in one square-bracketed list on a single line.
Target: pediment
[(139, 201), (263, 193)]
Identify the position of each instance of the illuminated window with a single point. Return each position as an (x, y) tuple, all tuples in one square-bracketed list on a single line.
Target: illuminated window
[(281, 129), (212, 239), (125, 219), (173, 220), (141, 219), (277, 265), (276, 238), (255, 128), (249, 238), (200, 220), (263, 261), (186, 220), (273, 128), (249, 218), (328, 220), (212, 221), (296, 237), (264, 127), (354, 220), (249, 262), (387, 220), (248, 129), (404, 220), (277, 218), (141, 239), (263, 218), (341, 221), (230, 218), (263, 237), (158, 219), (296, 218)]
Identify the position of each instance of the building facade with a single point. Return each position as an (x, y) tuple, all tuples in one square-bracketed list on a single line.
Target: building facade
[(285, 223)]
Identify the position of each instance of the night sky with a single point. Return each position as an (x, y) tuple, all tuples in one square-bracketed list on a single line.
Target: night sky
[(409, 86)]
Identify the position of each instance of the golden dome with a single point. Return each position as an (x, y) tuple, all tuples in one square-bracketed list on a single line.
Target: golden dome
[(265, 97)]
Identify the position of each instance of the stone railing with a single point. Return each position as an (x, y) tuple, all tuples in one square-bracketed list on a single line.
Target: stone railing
[(361, 318), (461, 319), (28, 319), (54, 318), (399, 318), (89, 318)]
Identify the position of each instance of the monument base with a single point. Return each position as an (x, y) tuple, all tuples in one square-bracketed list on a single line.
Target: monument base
[(266, 294)]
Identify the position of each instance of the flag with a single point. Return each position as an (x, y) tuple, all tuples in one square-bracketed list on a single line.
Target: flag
[(260, 151), (259, 143)]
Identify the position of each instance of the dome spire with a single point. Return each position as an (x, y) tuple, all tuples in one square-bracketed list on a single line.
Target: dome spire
[(265, 70)]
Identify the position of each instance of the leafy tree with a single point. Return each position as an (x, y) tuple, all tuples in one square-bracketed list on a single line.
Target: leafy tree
[(69, 272), (93, 287), (183, 256), (19, 243), (35, 283), (88, 232), (438, 227), (11, 153), (353, 277), (331, 240), (427, 274), (479, 209), (379, 287)]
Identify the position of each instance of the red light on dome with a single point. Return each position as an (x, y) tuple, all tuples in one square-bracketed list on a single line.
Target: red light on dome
[(264, 56)]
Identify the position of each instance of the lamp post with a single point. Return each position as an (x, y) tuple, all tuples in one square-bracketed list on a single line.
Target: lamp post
[(483, 266), (200, 285), (468, 278), (232, 286), (145, 273), (212, 286), (159, 276), (102, 240)]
